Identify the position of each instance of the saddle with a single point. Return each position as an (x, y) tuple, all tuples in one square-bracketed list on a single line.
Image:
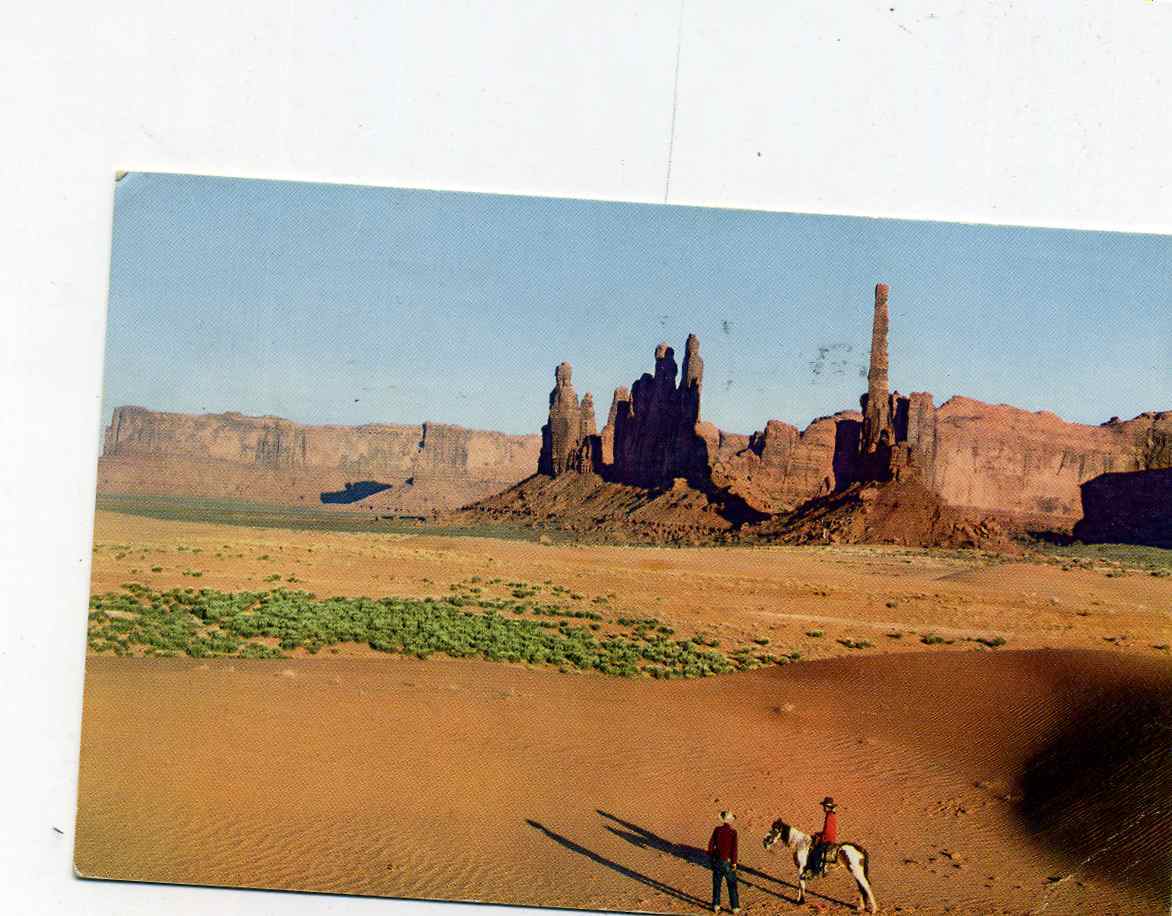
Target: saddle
[(823, 857)]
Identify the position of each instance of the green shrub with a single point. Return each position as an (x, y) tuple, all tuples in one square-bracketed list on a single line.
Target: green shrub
[(207, 623)]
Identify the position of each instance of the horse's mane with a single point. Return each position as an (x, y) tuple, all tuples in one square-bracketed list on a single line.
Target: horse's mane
[(789, 834)]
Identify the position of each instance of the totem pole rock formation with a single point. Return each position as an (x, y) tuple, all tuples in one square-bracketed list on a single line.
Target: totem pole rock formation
[(898, 438), (562, 435), (914, 451), (586, 427), (653, 432), (614, 433), (694, 445), (980, 458), (877, 433), (693, 376), (655, 405), (587, 457)]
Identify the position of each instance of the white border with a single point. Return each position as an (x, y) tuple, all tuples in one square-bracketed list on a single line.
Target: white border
[(1033, 113)]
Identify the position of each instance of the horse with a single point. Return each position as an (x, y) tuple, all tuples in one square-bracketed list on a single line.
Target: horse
[(853, 856)]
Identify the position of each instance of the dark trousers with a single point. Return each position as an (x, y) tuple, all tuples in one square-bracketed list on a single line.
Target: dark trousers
[(722, 870), (816, 863)]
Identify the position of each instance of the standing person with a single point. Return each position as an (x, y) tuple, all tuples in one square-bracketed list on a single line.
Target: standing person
[(722, 854), (823, 839)]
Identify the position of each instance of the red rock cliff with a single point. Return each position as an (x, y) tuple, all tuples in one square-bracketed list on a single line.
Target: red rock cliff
[(1031, 465), (994, 459), (269, 459)]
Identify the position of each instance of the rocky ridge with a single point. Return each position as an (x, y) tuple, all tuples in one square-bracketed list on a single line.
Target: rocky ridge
[(900, 469), (425, 468)]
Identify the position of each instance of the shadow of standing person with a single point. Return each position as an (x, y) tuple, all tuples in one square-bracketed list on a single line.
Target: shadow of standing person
[(615, 866)]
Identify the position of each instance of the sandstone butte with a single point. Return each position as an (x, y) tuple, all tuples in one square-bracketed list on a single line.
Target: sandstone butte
[(899, 470), (414, 470)]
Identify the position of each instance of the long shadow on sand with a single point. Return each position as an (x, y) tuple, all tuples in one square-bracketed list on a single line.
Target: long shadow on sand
[(615, 866), (694, 855)]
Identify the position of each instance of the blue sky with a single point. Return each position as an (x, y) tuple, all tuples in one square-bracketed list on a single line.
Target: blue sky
[(342, 304)]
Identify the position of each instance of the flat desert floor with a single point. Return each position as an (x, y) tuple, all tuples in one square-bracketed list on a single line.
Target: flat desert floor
[(1030, 778)]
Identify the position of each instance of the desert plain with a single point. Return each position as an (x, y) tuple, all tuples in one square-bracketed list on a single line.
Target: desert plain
[(994, 729)]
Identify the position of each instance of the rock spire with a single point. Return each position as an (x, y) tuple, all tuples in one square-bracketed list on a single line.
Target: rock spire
[(651, 434), (898, 437), (562, 434), (877, 432)]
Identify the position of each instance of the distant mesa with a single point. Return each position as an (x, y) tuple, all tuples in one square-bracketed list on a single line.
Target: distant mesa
[(900, 469), (417, 470)]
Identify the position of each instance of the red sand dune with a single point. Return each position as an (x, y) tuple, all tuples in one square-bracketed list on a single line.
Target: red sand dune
[(1034, 781)]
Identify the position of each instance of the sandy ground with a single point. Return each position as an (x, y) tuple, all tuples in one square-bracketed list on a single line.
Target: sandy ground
[(471, 780), (782, 593), (979, 780)]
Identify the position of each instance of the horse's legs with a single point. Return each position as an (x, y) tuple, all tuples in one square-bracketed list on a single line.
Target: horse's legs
[(865, 887), (866, 896), (801, 889), (800, 861)]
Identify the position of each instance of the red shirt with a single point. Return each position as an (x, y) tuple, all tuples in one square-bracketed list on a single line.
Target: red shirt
[(830, 828), (724, 844)]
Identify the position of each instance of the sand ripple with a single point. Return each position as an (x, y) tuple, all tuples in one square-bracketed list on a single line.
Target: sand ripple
[(473, 781)]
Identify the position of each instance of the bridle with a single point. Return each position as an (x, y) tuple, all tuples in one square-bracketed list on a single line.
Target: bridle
[(777, 832)]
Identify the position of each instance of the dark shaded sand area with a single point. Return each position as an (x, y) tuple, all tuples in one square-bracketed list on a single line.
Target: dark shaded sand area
[(1027, 782)]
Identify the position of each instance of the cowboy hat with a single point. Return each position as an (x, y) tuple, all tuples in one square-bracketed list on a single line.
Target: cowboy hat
[(727, 816), (828, 802)]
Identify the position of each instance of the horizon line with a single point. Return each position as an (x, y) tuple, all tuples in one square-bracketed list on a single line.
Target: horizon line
[(422, 423)]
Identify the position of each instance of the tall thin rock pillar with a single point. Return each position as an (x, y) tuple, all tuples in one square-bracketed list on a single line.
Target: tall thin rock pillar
[(877, 433)]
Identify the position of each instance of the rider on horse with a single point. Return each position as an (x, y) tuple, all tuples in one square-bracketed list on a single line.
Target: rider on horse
[(824, 840)]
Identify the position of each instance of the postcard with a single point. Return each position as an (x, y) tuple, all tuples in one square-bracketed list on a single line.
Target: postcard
[(628, 557)]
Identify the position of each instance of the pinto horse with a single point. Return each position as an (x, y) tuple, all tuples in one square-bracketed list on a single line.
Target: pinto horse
[(853, 856)]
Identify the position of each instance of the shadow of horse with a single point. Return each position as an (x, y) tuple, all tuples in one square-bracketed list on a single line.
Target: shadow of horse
[(650, 882), (694, 855)]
